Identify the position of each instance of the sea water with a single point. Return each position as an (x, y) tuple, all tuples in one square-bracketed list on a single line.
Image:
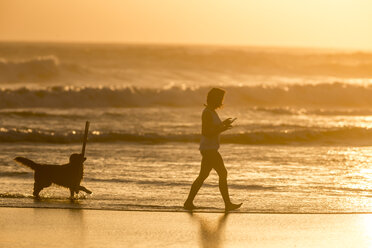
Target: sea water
[(302, 142)]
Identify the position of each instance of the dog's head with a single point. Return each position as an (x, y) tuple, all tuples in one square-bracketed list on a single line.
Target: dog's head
[(77, 158)]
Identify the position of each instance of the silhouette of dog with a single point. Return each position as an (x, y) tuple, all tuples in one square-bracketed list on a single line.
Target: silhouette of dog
[(67, 175)]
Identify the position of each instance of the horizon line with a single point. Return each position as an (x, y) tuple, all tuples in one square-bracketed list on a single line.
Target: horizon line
[(190, 44)]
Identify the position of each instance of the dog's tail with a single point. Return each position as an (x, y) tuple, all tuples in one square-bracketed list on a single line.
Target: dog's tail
[(27, 162)]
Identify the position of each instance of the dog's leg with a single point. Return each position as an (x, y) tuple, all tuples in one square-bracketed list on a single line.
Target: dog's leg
[(85, 189), (71, 194), (37, 189)]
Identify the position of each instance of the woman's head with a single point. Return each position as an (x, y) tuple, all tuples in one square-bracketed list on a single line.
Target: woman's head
[(215, 98)]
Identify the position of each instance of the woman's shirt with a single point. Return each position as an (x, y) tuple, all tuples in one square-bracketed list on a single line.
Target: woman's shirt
[(211, 125)]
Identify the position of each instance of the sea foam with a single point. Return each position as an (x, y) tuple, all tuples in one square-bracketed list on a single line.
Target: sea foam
[(304, 135), (328, 95)]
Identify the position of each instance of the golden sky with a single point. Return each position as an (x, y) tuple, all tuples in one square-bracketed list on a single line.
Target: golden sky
[(301, 23)]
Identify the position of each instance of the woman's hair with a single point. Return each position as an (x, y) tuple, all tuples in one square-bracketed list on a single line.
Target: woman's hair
[(215, 97)]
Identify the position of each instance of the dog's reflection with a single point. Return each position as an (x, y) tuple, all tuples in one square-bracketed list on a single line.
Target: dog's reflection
[(61, 227), (211, 232)]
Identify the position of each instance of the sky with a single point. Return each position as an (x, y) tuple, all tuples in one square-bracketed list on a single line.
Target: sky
[(298, 23)]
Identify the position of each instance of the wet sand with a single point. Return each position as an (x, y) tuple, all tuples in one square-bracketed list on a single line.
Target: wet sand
[(40, 227)]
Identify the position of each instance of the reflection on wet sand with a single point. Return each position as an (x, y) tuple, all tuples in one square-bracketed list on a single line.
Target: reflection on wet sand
[(76, 216), (211, 233), (69, 230)]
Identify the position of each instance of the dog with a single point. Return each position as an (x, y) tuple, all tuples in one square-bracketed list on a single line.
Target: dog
[(67, 175)]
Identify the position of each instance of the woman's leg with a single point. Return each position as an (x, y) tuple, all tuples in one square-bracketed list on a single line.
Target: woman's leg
[(220, 168), (205, 169)]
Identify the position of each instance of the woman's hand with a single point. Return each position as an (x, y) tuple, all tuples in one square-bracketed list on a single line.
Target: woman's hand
[(228, 121), (226, 124)]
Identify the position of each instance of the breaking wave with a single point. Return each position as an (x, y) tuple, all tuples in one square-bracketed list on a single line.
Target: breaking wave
[(111, 113), (325, 95), (138, 63), (319, 111), (39, 69), (304, 135)]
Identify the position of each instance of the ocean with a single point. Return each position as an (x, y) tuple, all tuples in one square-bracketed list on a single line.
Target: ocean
[(302, 142)]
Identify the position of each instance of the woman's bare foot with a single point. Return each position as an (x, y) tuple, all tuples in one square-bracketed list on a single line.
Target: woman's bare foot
[(232, 206), (189, 206)]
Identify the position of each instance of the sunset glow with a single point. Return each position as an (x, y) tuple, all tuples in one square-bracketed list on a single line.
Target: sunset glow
[(327, 23)]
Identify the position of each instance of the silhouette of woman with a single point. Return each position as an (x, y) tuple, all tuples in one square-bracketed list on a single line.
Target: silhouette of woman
[(212, 126)]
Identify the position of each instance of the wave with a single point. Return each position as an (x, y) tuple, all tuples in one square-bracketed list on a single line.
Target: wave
[(38, 69), (15, 195), (132, 181), (41, 136), (344, 190), (300, 135), (326, 95), (19, 174), (321, 136), (176, 184), (111, 113), (40, 114), (156, 63), (24, 114), (312, 111)]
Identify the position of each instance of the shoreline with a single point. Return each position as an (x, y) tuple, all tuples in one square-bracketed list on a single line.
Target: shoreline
[(200, 211), (41, 227)]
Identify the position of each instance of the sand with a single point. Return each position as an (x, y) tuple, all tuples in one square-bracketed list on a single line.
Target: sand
[(40, 227)]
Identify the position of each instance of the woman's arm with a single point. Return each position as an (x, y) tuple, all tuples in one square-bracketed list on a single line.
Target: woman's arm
[(209, 128)]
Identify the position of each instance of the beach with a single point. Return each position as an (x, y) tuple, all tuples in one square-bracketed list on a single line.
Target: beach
[(298, 157), (255, 115), (40, 227)]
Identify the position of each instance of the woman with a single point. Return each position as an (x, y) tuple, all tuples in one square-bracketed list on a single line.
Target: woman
[(212, 126)]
